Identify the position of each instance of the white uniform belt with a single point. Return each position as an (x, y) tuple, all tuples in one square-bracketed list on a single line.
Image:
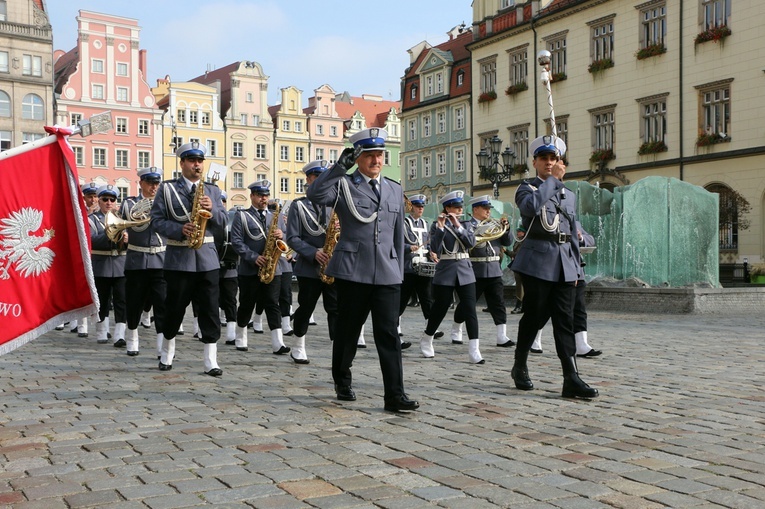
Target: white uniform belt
[(185, 243), (113, 252), (484, 259), (150, 250), (454, 256)]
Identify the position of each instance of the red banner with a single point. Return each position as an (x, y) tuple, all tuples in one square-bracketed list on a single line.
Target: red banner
[(45, 274)]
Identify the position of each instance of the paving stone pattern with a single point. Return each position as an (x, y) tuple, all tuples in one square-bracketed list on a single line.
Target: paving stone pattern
[(680, 423)]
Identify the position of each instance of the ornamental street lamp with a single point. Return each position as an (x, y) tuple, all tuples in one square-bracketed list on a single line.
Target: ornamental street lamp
[(490, 167)]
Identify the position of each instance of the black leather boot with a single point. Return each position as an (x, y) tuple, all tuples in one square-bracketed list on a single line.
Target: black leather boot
[(520, 372), (573, 386)]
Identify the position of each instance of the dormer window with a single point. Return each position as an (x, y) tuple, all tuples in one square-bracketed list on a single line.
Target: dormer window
[(414, 92), (460, 78)]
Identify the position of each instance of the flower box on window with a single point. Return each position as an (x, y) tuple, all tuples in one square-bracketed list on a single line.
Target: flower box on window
[(518, 87), (707, 139), (520, 168), (558, 76), (652, 147), (600, 65), (486, 97), (713, 34), (602, 155), (651, 51)]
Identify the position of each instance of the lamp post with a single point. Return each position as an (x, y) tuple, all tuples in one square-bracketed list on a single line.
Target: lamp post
[(490, 167), (174, 141)]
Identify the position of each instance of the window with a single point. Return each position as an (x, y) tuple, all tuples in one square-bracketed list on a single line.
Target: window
[(193, 118), (237, 149), (716, 13), (300, 186), (32, 65), (238, 180), (299, 154), (206, 118), (519, 137), (5, 140), (285, 125), (441, 121), (284, 185), (4, 61), (332, 155), (412, 173), (333, 130), (32, 107), (412, 130), (441, 164), (256, 120), (3, 10), (504, 4), (122, 69), (177, 142), (99, 157), (426, 166), (604, 129), (715, 108), (212, 148), (459, 118), (122, 94), (98, 91), (460, 78), (654, 120), (439, 83), (260, 151), (121, 157), (459, 160), (319, 154), (357, 125), (298, 127), (75, 118), (182, 116), (79, 155), (557, 49), (30, 137), (249, 97), (428, 86), (5, 104), (488, 76), (284, 153), (121, 125), (561, 124), (144, 159), (319, 129), (519, 66), (261, 176), (386, 158), (243, 119), (426, 126), (122, 193), (97, 66), (413, 92), (602, 41), (653, 28), (143, 127), (729, 202)]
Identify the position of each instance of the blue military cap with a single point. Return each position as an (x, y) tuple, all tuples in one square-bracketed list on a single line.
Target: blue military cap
[(223, 196), (107, 189), (316, 167), (481, 201), (418, 199), (262, 187), (152, 174), (452, 199), (191, 149), (90, 188), (369, 139), (548, 145)]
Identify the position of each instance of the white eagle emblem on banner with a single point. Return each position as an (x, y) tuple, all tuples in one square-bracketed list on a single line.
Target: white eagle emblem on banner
[(18, 246)]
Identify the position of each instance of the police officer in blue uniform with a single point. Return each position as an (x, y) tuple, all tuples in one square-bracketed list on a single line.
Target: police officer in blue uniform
[(228, 282), (191, 274), (367, 263), (306, 234), (108, 259), (550, 263)]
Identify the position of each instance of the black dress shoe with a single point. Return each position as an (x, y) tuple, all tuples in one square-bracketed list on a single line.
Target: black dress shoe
[(486, 310), (82, 334), (300, 361), (507, 344), (73, 329), (345, 393), (242, 348), (312, 323), (521, 378), (402, 404), (361, 346), (282, 350), (438, 334), (59, 327), (405, 345), (214, 372), (120, 343), (591, 353), (290, 333), (534, 350), (230, 341), (257, 331), (132, 354), (165, 367)]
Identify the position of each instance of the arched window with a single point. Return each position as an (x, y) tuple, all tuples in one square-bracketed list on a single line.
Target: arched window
[(5, 104), (32, 107), (733, 209)]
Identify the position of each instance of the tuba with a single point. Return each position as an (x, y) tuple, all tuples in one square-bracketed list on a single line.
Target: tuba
[(199, 217), (114, 225), (274, 249), (333, 235)]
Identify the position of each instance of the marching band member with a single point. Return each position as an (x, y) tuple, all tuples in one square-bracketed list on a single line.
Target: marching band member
[(191, 274), (550, 263), (90, 199), (145, 259), (250, 231), (367, 263), (286, 267), (306, 234), (488, 272), (108, 259), (450, 240), (227, 283)]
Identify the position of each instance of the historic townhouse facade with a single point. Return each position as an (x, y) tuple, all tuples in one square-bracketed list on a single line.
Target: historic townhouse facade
[(106, 72), (640, 89), (190, 113), (369, 111), (249, 131), (435, 118), (291, 144), (325, 127), (26, 72)]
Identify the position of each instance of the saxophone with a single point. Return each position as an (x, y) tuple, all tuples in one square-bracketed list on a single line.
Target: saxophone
[(274, 249), (199, 217), (333, 235)]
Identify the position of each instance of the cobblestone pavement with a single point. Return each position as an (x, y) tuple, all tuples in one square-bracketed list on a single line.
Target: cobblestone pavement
[(680, 423)]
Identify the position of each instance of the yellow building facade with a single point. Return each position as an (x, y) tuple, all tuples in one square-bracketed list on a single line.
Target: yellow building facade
[(291, 145)]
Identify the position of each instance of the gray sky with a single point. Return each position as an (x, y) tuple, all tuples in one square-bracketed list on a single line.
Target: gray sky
[(355, 46)]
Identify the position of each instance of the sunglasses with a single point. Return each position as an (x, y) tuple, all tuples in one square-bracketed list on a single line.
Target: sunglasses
[(109, 199)]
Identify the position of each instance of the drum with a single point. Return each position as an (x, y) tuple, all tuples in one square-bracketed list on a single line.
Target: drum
[(425, 269)]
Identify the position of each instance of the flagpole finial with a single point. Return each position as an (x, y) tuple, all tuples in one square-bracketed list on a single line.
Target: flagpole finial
[(96, 124)]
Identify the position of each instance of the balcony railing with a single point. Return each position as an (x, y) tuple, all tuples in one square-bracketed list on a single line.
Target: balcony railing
[(8, 28)]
